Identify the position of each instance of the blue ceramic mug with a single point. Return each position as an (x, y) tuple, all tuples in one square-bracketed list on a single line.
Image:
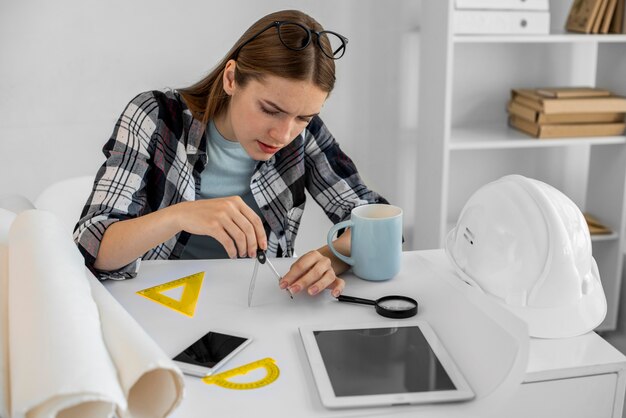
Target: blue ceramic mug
[(376, 241)]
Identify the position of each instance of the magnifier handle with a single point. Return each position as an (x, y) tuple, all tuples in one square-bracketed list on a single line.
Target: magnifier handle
[(352, 299)]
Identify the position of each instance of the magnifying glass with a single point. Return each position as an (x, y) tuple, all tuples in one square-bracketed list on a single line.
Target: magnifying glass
[(388, 306)]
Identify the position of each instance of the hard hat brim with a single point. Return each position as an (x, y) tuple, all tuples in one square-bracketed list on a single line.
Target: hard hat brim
[(555, 322)]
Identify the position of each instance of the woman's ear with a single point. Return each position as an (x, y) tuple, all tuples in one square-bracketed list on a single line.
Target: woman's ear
[(228, 77)]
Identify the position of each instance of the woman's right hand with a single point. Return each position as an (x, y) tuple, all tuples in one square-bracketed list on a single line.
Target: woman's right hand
[(227, 219)]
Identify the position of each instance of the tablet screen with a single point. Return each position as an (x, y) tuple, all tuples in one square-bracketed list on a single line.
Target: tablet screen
[(381, 361)]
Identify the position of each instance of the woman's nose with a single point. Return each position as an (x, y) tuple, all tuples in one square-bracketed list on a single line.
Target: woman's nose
[(281, 131)]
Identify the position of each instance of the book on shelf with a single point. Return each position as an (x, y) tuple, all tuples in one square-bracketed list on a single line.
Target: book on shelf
[(595, 226), (617, 23), (564, 92), (519, 110), (502, 4), (596, 16), (582, 15), (602, 104), (608, 16), (597, 21), (564, 130)]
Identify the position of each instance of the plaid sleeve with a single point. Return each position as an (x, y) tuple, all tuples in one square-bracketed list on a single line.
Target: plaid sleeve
[(119, 187), (332, 178)]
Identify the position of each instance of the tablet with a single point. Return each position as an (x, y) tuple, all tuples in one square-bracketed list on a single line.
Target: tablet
[(382, 364)]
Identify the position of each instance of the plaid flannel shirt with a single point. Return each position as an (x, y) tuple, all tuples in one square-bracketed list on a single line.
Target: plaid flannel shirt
[(154, 159)]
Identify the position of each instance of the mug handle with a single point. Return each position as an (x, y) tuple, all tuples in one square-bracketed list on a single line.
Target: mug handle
[(329, 240)]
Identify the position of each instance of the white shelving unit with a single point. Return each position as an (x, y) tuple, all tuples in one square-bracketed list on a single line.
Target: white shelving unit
[(464, 141)]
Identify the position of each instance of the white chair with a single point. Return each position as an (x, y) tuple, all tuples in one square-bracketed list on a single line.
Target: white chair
[(15, 203), (66, 199)]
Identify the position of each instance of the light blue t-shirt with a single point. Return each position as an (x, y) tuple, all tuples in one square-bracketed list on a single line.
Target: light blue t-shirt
[(227, 173)]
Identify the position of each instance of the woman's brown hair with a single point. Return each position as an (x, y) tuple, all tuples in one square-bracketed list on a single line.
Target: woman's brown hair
[(266, 54)]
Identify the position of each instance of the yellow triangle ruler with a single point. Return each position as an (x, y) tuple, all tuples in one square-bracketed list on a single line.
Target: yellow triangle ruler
[(187, 303), (221, 379)]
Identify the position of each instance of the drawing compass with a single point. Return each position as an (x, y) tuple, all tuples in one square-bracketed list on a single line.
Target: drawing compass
[(261, 258)]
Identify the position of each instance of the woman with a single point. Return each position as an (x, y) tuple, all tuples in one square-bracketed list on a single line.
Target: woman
[(219, 169)]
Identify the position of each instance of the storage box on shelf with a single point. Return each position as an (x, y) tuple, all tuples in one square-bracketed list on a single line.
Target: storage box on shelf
[(501, 17), (465, 141)]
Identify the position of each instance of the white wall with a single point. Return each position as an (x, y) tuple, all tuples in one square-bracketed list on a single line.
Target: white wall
[(68, 68)]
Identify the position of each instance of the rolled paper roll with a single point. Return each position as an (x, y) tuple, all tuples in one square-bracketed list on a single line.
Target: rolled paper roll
[(73, 350)]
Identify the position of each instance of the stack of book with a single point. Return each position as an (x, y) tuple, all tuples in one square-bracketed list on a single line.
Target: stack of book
[(595, 226), (567, 112), (596, 16), (504, 17)]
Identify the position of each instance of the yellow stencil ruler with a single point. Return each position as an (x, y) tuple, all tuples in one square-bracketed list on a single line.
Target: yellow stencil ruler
[(187, 303), (221, 379)]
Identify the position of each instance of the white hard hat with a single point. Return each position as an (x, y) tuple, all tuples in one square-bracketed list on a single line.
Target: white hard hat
[(527, 244)]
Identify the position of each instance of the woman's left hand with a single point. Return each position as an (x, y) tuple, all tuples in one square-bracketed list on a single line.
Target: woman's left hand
[(312, 272)]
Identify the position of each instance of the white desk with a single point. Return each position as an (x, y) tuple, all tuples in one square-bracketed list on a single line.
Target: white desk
[(577, 377)]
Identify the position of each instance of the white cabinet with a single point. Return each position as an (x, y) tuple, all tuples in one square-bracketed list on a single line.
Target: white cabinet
[(464, 141), (580, 397)]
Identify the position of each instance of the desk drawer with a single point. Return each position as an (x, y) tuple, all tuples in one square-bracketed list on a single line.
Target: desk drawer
[(584, 397)]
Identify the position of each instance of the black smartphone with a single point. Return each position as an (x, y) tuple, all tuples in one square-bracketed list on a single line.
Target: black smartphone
[(210, 352)]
